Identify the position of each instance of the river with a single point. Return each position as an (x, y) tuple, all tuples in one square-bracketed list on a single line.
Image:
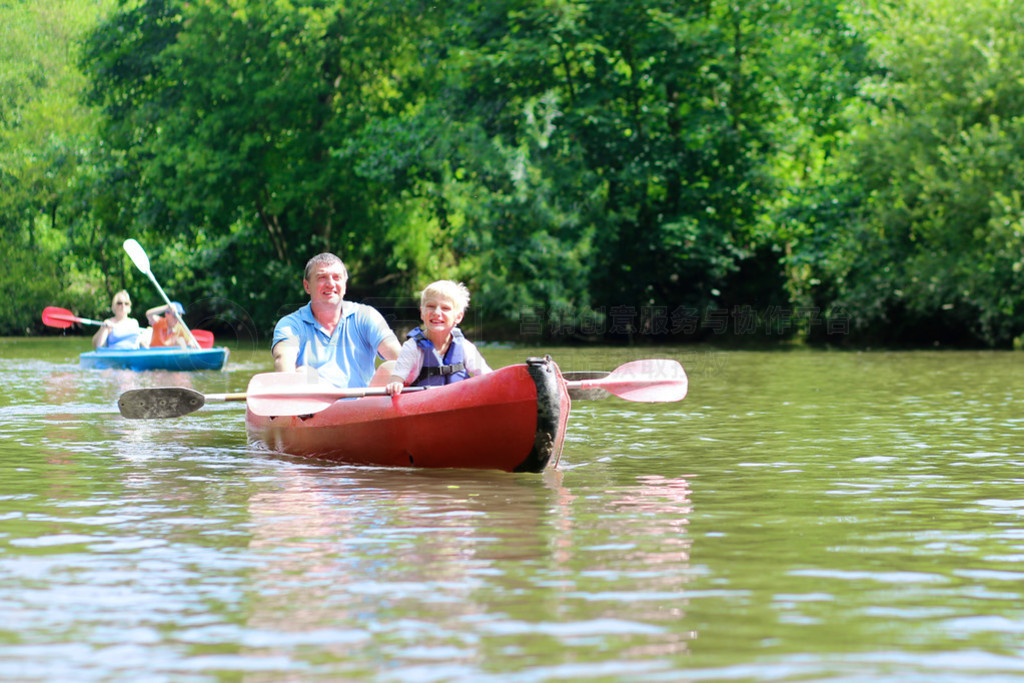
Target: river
[(801, 515)]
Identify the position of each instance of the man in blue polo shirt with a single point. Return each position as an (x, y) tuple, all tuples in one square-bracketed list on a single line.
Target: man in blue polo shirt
[(339, 339)]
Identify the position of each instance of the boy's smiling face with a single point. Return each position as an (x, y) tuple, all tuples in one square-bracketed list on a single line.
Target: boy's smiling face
[(439, 315)]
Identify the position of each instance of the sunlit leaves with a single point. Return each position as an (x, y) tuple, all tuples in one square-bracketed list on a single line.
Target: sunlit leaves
[(46, 140), (938, 149)]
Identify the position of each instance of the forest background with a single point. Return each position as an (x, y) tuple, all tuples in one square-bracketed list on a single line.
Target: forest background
[(818, 171)]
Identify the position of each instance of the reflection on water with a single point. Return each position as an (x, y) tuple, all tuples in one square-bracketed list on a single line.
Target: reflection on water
[(800, 516), (666, 501)]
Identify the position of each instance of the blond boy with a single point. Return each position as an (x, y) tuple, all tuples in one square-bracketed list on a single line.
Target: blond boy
[(437, 352)]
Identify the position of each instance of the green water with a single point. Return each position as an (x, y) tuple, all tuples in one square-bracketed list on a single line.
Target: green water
[(800, 516)]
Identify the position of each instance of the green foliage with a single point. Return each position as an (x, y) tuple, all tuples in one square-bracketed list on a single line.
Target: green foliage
[(572, 162), (602, 146), (235, 119), (46, 136), (934, 246)]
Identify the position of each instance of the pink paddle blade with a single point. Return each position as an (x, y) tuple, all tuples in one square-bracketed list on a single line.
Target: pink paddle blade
[(653, 380)]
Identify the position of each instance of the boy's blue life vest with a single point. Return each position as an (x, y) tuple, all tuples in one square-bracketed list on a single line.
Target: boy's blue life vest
[(454, 367)]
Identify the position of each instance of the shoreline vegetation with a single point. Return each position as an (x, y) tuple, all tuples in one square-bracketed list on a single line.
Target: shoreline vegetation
[(817, 172)]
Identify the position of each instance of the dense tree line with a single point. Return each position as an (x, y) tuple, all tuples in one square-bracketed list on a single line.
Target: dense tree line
[(644, 170)]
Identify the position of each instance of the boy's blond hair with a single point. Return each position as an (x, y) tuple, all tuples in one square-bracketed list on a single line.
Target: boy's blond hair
[(456, 292)]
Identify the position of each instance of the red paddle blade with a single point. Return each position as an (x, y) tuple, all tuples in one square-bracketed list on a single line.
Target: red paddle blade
[(653, 380), (204, 337), (58, 317)]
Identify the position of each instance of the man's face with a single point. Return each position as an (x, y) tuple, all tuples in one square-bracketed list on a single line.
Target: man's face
[(326, 284)]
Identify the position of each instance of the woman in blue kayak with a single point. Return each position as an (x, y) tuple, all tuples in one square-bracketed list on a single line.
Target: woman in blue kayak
[(120, 331)]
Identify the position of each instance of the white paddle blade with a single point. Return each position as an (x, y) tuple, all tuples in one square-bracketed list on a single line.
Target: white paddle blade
[(138, 255)]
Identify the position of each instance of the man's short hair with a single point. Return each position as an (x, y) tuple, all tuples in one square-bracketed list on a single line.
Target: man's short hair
[(324, 259)]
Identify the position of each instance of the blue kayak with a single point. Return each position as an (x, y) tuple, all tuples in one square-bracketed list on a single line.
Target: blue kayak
[(164, 358)]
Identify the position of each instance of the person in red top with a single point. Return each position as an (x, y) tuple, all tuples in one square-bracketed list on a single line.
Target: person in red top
[(165, 327)]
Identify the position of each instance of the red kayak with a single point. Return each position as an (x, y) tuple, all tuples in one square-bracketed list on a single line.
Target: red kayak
[(512, 419)]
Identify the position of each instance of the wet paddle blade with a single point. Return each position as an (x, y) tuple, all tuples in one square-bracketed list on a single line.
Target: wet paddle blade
[(204, 337), (273, 394), (280, 394), (652, 380), (138, 255), (288, 406), (58, 317), (159, 402), (63, 318)]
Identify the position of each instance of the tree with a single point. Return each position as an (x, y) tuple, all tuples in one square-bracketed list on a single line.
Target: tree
[(46, 137), (607, 155), (234, 122), (935, 246)]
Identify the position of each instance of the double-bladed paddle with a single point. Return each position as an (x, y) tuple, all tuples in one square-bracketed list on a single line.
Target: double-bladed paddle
[(288, 393), (62, 318), (138, 256)]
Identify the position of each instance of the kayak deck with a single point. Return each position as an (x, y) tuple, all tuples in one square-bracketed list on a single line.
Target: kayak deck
[(165, 358)]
